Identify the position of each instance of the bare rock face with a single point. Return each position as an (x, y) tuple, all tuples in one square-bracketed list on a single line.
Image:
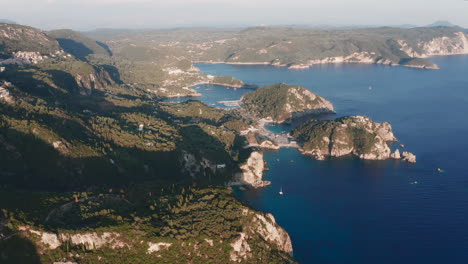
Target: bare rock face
[(88, 239), (156, 247), (356, 57), (265, 227), (409, 157), (356, 135), (446, 45), (5, 94), (240, 248), (194, 167), (95, 79), (252, 172), (272, 232), (396, 154)]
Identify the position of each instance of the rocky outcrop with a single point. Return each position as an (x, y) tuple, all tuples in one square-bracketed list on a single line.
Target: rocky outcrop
[(194, 167), (252, 172), (405, 156), (240, 248), (90, 239), (357, 57), (270, 231), (356, 135), (5, 94), (94, 79), (281, 102), (263, 226), (156, 247), (396, 154), (409, 157), (446, 45)]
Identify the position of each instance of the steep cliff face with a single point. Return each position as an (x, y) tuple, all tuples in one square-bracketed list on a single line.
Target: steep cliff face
[(263, 226), (355, 135), (93, 79), (252, 172), (445, 45), (266, 226), (281, 102)]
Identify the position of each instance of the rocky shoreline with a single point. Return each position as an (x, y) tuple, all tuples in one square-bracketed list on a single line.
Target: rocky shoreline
[(327, 61)]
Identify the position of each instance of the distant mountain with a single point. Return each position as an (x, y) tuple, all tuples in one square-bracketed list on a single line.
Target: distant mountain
[(6, 21), (443, 23)]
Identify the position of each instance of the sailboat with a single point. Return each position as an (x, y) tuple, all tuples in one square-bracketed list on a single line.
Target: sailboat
[(281, 191)]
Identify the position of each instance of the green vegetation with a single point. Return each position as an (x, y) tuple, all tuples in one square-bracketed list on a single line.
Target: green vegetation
[(281, 102), (279, 45), (228, 81), (311, 135), (267, 101), (198, 223), (23, 38), (83, 152), (78, 45)]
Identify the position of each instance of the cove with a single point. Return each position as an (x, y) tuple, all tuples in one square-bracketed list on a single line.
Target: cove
[(352, 211)]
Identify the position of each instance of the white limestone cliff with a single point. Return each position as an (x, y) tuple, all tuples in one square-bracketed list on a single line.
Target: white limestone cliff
[(252, 172)]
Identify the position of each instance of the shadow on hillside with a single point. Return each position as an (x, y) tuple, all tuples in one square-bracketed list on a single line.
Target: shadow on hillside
[(29, 162), (18, 249), (113, 72), (77, 49), (104, 45)]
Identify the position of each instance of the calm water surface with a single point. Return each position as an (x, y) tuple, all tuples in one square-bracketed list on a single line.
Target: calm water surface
[(351, 211)]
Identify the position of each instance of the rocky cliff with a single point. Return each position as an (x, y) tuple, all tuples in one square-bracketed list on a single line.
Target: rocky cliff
[(199, 226), (452, 44), (356, 135), (252, 172), (281, 102)]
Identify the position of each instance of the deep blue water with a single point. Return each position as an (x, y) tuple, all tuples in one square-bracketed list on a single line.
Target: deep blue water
[(351, 211)]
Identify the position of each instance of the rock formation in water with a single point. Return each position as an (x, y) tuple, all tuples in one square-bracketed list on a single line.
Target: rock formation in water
[(356, 135), (409, 157), (281, 102)]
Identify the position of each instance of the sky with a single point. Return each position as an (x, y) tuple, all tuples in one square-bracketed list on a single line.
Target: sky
[(91, 14)]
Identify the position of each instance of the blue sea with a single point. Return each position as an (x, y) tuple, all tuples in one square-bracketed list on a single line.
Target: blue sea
[(349, 211)]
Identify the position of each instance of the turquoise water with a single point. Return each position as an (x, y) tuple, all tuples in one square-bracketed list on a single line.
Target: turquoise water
[(351, 211)]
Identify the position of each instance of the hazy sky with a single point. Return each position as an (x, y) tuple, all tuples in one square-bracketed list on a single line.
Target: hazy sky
[(89, 14)]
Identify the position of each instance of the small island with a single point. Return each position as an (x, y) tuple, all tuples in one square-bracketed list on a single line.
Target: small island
[(356, 135)]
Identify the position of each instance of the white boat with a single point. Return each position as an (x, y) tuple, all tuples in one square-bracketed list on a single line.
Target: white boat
[(281, 191)]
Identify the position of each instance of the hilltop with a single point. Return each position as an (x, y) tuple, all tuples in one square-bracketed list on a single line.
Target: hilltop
[(281, 102), (296, 48)]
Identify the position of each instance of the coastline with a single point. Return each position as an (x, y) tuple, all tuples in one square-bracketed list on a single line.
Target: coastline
[(305, 66)]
